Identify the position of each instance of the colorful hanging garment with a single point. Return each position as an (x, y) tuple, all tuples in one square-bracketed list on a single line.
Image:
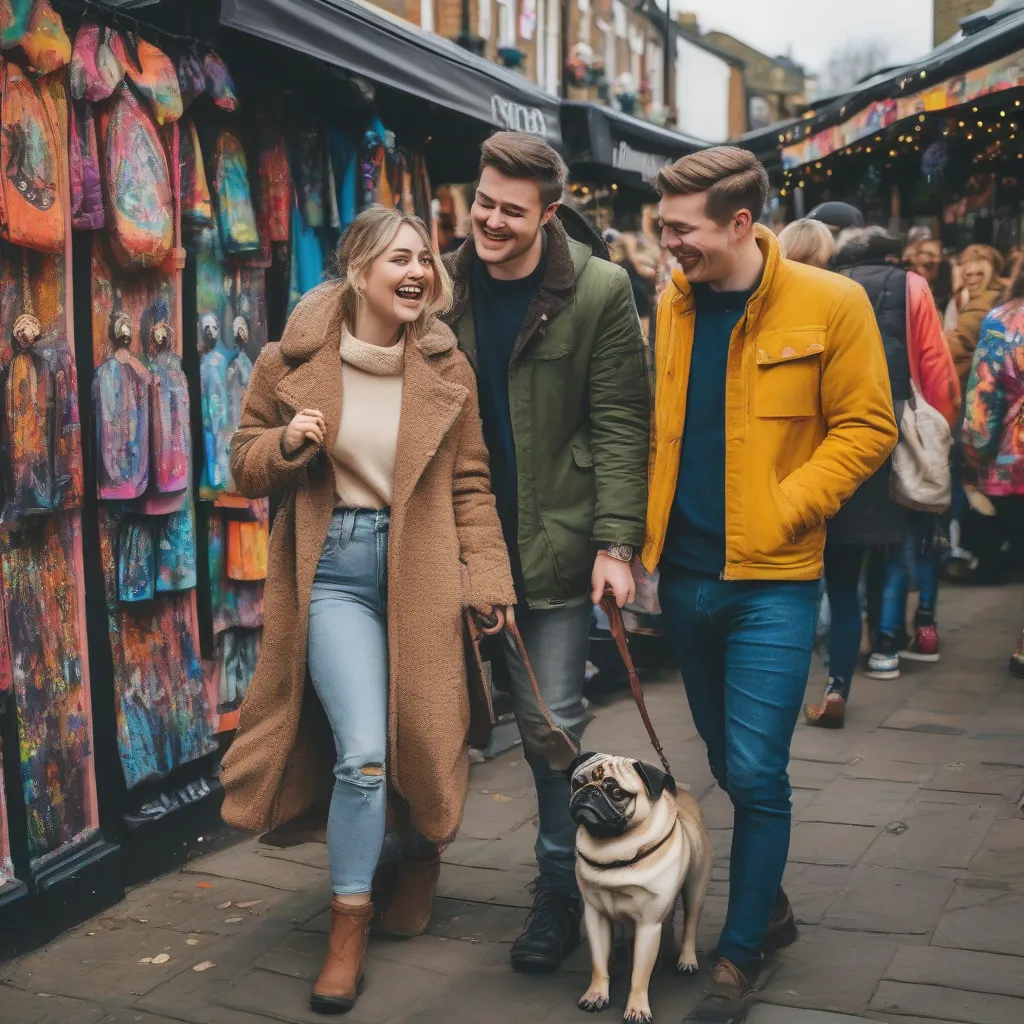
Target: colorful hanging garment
[(96, 70), (235, 215), (31, 197), (14, 18), (307, 260), (233, 603), (240, 650), (176, 552), (157, 80), (191, 79), (275, 178), (310, 183), (345, 158), (196, 208), (120, 395), (5, 649), (42, 450), (249, 295), (41, 586), (136, 560), (137, 183), (87, 212), (219, 83), (247, 549), (46, 45), (217, 428), (171, 437)]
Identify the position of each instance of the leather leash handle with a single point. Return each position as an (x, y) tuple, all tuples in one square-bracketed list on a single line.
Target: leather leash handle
[(618, 631)]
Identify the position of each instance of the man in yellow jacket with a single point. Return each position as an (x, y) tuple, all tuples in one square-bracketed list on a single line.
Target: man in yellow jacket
[(772, 406)]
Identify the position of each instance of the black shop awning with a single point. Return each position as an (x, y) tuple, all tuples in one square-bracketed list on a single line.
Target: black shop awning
[(387, 50), (609, 146)]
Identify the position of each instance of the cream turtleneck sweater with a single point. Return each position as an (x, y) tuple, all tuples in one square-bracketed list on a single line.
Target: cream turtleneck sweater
[(371, 401)]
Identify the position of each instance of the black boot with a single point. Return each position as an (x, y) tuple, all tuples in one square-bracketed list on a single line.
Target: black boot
[(782, 930), (552, 931)]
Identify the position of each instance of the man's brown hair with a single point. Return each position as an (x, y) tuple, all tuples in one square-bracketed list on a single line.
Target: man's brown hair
[(527, 157), (732, 179)]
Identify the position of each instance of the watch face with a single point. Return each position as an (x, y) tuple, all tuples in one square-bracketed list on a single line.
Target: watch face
[(621, 552)]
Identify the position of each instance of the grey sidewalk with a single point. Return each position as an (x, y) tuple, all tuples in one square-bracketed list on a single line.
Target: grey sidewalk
[(906, 871)]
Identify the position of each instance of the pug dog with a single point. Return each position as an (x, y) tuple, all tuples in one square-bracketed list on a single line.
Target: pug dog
[(640, 843)]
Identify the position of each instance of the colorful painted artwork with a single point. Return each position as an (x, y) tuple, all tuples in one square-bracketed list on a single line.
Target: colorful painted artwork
[(136, 560), (120, 397), (232, 196), (235, 602), (6, 867), (176, 552), (169, 417), (42, 582)]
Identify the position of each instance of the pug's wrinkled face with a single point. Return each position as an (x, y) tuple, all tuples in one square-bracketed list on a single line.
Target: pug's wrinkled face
[(612, 795)]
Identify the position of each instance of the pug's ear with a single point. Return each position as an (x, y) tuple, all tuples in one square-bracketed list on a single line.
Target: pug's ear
[(586, 756), (654, 779)]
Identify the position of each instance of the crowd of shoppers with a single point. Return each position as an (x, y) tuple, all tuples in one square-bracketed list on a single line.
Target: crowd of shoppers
[(474, 436)]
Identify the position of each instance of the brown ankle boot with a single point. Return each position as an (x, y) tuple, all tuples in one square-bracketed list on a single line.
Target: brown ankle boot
[(408, 913), (341, 979)]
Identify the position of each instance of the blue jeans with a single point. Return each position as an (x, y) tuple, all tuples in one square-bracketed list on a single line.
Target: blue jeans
[(913, 561), (843, 566), (556, 641), (348, 664), (745, 651)]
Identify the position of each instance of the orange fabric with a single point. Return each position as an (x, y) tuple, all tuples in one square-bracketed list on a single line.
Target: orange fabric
[(931, 362), (247, 549)]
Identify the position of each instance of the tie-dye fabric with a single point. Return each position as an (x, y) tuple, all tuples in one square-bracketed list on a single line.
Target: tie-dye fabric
[(233, 197), (120, 394)]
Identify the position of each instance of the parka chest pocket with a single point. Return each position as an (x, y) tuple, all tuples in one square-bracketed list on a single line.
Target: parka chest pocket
[(787, 378)]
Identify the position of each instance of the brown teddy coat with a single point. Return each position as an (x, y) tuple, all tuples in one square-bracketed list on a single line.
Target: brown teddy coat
[(445, 553)]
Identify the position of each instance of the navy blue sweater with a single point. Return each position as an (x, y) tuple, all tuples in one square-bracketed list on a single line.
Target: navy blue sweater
[(499, 309), (696, 531)]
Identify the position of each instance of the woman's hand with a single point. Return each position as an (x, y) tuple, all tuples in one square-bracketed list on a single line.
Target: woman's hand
[(491, 619), (307, 425)]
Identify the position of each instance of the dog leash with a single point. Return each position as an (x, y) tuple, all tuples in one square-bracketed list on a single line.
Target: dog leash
[(618, 630)]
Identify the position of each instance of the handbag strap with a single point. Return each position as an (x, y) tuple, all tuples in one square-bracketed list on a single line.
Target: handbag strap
[(618, 631)]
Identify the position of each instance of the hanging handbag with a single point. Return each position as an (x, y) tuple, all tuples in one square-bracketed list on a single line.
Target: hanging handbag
[(920, 478)]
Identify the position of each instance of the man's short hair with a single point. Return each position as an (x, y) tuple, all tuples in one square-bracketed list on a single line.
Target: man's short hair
[(731, 179), (526, 157)]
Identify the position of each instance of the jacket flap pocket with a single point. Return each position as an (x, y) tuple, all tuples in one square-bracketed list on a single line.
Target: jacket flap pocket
[(786, 346), (583, 458)]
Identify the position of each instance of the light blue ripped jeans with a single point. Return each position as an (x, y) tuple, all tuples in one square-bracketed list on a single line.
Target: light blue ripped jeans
[(348, 664)]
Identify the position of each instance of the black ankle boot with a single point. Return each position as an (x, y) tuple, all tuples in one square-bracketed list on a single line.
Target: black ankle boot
[(552, 931)]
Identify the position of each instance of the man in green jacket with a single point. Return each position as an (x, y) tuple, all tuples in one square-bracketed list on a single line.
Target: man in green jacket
[(553, 334)]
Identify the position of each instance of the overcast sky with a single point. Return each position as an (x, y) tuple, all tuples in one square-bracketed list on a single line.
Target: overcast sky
[(811, 29)]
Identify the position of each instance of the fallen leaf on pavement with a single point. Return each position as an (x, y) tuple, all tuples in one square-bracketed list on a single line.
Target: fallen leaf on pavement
[(204, 885), (191, 942), (500, 798), (224, 906), (247, 904), (146, 960), (204, 966), (232, 920), (160, 958)]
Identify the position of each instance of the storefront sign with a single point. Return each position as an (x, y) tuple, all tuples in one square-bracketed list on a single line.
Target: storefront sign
[(517, 117), (1000, 75), (647, 165)]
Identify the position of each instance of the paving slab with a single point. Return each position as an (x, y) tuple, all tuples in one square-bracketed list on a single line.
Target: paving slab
[(838, 845), (960, 969), (919, 720), (887, 769), (765, 1013), (890, 901), (937, 836), (812, 889), (984, 919), (947, 1003), (828, 969), (985, 779), (45, 1008), (859, 802), (249, 863), (1002, 853), (505, 886)]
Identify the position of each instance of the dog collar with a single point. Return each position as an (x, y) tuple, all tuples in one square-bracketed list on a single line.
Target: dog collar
[(628, 863)]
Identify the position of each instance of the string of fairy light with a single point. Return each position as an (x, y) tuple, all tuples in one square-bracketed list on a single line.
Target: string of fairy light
[(994, 129)]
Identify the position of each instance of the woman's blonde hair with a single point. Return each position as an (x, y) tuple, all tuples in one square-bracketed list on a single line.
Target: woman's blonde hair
[(807, 241), (365, 240)]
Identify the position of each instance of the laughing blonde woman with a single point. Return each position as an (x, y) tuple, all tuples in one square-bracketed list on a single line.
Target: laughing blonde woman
[(365, 416)]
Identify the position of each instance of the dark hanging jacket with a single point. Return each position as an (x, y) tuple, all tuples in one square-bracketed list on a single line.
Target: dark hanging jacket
[(871, 517)]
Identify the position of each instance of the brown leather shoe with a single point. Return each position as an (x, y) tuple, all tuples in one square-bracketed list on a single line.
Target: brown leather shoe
[(341, 979), (782, 930), (408, 913), (831, 713), (728, 999)]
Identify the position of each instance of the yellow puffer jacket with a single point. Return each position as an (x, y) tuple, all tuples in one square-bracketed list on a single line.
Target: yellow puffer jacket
[(808, 415)]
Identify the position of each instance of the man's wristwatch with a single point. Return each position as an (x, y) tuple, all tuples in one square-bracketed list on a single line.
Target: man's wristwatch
[(620, 552)]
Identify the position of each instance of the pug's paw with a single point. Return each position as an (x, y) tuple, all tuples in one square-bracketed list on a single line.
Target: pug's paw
[(594, 1000), (687, 965), (638, 1014)]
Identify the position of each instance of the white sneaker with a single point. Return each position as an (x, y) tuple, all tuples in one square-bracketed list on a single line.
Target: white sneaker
[(882, 665)]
